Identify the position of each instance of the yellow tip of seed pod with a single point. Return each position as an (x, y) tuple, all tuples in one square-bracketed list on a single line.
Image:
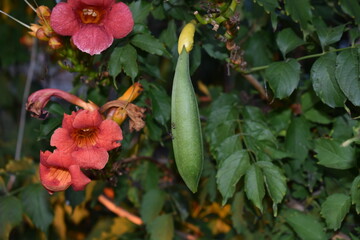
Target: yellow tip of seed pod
[(186, 38)]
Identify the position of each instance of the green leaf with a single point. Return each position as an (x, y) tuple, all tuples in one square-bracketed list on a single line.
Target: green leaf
[(269, 5), (237, 212), (36, 205), (258, 130), (324, 81), (275, 182), (151, 205), (257, 52), (332, 155), (254, 185), (140, 10), (298, 137), (215, 52), (11, 215), (334, 209), (347, 74), (306, 226), (230, 171), (162, 228), (149, 44), (329, 36), (352, 8), (228, 147), (287, 41), (160, 102), (355, 193), (124, 58), (283, 77), (300, 11)]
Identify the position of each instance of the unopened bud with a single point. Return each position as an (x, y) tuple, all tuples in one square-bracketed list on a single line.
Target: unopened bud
[(55, 42), (34, 28), (41, 35), (43, 13)]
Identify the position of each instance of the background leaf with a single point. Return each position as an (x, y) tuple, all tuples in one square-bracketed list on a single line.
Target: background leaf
[(324, 81), (287, 41), (300, 11), (124, 58), (306, 226), (355, 193), (334, 209), (11, 214), (151, 205), (162, 228), (149, 44), (348, 72), (283, 77), (331, 154), (329, 36), (35, 201)]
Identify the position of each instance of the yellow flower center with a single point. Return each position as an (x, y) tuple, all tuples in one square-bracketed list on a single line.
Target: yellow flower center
[(91, 15), (85, 136)]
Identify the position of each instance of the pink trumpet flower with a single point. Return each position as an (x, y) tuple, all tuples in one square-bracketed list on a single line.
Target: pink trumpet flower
[(92, 24), (86, 137)]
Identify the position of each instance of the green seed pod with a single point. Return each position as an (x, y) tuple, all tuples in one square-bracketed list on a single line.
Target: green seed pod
[(186, 128)]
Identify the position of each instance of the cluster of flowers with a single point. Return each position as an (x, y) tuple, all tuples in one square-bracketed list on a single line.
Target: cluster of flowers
[(92, 24), (85, 137)]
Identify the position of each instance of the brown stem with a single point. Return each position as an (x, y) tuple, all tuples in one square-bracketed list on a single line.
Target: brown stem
[(253, 81)]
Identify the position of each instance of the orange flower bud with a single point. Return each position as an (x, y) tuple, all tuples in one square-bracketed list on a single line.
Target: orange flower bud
[(41, 34), (55, 42), (43, 13)]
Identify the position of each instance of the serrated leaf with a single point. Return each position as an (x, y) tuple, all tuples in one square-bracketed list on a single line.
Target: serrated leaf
[(348, 72), (283, 77), (324, 81), (124, 58), (332, 155), (297, 141), (228, 147), (334, 209), (275, 182), (329, 36), (149, 44), (36, 205), (351, 7), (230, 171), (11, 214), (140, 10), (306, 226), (258, 130), (287, 41), (299, 11), (151, 205), (254, 186), (162, 228), (355, 193)]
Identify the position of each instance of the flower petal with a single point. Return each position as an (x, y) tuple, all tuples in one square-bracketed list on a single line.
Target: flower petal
[(44, 157), (119, 21), (60, 159), (63, 20), (91, 157), (54, 179), (103, 3), (92, 39), (109, 135), (87, 119), (78, 179), (62, 139), (68, 120)]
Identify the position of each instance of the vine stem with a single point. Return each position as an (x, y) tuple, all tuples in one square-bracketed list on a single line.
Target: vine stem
[(29, 77), (256, 69), (133, 218)]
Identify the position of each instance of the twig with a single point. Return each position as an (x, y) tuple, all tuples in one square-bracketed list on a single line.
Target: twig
[(133, 218), (119, 211), (253, 81), (29, 77)]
